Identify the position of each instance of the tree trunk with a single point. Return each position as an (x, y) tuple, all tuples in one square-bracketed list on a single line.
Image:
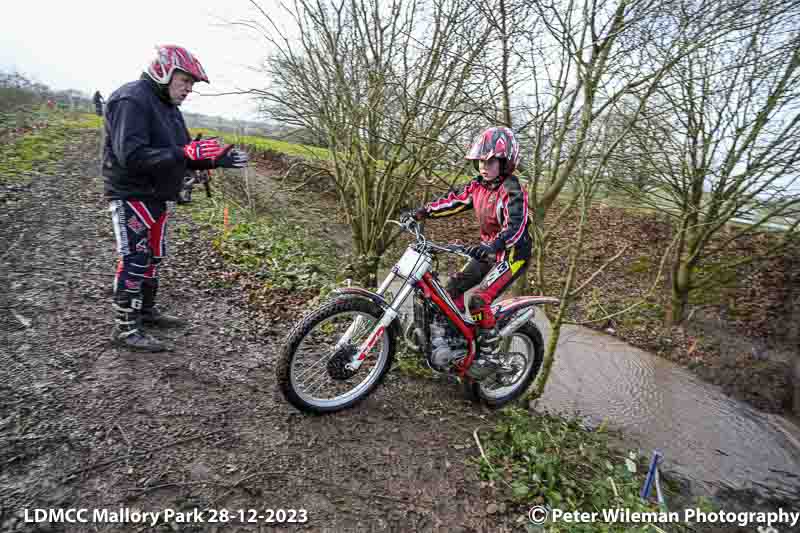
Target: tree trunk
[(681, 284), (549, 356), (363, 270)]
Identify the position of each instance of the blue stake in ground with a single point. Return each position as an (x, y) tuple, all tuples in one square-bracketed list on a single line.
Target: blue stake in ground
[(652, 478)]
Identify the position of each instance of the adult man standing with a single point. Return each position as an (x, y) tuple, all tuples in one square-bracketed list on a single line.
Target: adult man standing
[(146, 154)]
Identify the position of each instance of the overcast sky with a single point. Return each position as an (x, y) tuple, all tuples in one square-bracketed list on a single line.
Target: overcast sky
[(89, 45)]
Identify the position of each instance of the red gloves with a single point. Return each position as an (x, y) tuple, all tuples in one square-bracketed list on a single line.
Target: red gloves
[(205, 149)]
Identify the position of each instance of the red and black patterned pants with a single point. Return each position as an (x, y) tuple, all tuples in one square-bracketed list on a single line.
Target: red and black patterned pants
[(140, 228), (493, 277)]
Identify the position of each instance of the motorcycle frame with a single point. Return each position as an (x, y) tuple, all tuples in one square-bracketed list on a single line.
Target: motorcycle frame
[(420, 279)]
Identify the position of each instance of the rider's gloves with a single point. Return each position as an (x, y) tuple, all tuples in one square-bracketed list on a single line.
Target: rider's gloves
[(415, 214), (485, 250), (204, 149), (233, 158)]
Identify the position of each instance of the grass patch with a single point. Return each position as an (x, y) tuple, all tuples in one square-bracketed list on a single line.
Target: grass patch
[(547, 460), (84, 121), (278, 253), (264, 144), (40, 145), (411, 364), (38, 150)]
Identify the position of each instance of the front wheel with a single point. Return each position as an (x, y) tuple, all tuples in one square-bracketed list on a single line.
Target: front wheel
[(311, 372), (526, 353)]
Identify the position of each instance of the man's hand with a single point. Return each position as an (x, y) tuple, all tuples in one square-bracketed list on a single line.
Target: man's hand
[(204, 149), (232, 158), (484, 250)]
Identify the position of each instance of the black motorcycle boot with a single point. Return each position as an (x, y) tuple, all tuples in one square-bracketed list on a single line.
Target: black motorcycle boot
[(127, 331), (486, 360), (151, 315)]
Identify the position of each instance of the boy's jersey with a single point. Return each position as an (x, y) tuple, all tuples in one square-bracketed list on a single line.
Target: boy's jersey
[(502, 212)]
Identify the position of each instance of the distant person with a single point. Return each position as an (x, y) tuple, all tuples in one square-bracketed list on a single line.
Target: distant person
[(98, 103), (146, 154)]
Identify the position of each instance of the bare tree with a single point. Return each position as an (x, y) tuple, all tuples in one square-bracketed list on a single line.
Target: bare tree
[(387, 85), (728, 126), (594, 59), (597, 65)]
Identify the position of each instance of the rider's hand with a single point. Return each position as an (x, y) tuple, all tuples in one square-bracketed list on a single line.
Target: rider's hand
[(413, 214), (232, 158), (484, 250), (204, 149)]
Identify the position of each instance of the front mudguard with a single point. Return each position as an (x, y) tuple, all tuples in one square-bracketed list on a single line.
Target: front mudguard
[(358, 292)]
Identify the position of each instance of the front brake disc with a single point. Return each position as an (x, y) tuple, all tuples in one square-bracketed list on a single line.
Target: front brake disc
[(336, 366)]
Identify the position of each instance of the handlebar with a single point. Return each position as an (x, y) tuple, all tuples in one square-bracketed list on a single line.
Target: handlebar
[(412, 226)]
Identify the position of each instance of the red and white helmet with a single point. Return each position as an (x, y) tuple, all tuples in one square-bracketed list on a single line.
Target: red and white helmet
[(496, 142), (171, 58)]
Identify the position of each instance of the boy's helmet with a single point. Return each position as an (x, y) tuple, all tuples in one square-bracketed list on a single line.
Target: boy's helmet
[(496, 142), (171, 58)]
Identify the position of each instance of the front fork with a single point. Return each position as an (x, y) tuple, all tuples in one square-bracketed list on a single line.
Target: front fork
[(390, 313)]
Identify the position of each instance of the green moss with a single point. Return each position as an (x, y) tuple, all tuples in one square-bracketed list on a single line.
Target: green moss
[(641, 265)]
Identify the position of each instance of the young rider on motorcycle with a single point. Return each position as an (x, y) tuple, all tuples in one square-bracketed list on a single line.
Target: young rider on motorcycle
[(501, 207)]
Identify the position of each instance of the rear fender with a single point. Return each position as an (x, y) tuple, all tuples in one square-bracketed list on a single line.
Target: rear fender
[(506, 309)]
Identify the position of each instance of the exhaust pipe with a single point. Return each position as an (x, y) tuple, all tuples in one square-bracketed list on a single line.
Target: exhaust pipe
[(518, 322)]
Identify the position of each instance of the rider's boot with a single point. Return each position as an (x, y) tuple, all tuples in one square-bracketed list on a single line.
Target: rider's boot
[(486, 360), (127, 331), (151, 314)]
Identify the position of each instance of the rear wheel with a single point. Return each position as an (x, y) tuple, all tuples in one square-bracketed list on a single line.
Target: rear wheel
[(312, 373), (525, 355)]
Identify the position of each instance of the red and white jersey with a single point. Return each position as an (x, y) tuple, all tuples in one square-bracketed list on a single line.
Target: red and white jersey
[(502, 212)]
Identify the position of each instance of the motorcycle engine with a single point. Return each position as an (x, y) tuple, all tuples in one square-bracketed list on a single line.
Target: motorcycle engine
[(445, 348), (443, 355)]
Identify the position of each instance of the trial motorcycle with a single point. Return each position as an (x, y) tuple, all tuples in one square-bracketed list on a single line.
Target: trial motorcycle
[(338, 353)]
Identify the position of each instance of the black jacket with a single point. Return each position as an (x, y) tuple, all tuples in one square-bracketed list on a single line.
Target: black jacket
[(143, 155)]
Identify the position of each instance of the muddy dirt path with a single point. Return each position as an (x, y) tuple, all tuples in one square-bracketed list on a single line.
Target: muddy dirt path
[(86, 425)]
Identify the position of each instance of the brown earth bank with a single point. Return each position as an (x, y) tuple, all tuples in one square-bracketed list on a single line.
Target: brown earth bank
[(87, 425)]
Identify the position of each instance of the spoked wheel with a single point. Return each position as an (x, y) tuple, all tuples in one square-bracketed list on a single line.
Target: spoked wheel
[(522, 361), (313, 373)]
